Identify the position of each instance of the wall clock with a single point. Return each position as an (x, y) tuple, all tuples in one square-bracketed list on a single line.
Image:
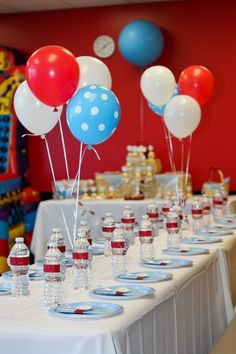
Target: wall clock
[(104, 46)]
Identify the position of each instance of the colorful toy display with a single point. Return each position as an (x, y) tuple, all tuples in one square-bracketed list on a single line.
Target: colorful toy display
[(14, 217)]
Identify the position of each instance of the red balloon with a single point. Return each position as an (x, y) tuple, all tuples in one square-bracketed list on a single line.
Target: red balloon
[(52, 74), (196, 81)]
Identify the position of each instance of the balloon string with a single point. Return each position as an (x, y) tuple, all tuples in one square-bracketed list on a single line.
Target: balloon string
[(64, 149), (174, 167), (141, 111), (77, 191), (67, 229), (50, 161), (167, 143), (188, 160), (171, 151), (182, 162), (88, 147), (55, 185)]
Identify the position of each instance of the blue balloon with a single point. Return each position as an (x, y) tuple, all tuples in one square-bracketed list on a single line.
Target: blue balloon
[(93, 114), (141, 42), (160, 109)]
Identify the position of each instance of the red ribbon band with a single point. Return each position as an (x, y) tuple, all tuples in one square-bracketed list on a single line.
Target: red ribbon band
[(145, 233), (196, 211), (128, 220), (172, 225), (19, 261), (51, 268), (80, 255), (217, 201), (117, 244), (62, 248), (153, 215), (108, 228)]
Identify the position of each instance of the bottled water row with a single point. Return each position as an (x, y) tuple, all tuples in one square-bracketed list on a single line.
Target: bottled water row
[(118, 236)]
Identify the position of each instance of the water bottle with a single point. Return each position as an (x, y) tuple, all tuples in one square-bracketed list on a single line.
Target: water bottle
[(81, 263), (217, 206), (61, 245), (53, 275), (128, 222), (19, 262), (152, 212), (83, 226), (197, 215), (206, 208), (176, 208), (146, 238), (166, 206), (108, 226), (225, 196), (85, 229), (173, 228), (118, 249)]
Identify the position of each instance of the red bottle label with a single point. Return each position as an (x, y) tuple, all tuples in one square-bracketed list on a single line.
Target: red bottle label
[(172, 225), (108, 228), (217, 201), (165, 210), (117, 244), (19, 261), (196, 211), (80, 255), (62, 248), (153, 215), (206, 208), (145, 233), (128, 220), (51, 268)]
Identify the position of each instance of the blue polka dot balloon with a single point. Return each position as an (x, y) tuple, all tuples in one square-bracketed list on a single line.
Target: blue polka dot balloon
[(93, 114)]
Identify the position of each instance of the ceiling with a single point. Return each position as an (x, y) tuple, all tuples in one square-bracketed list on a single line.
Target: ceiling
[(15, 6)]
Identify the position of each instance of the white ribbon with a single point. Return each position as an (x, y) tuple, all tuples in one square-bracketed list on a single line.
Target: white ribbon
[(64, 149)]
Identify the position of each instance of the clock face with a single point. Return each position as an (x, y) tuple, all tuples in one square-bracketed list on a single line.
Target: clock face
[(104, 46)]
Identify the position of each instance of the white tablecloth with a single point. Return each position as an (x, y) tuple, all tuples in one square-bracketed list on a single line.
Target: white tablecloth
[(186, 315)]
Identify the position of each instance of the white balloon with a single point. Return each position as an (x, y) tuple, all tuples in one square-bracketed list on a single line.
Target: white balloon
[(93, 72), (34, 115), (182, 115), (158, 84)]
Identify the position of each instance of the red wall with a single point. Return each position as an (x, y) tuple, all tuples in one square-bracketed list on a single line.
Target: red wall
[(195, 33)]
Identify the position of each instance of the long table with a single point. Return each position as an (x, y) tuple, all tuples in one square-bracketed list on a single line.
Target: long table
[(186, 315)]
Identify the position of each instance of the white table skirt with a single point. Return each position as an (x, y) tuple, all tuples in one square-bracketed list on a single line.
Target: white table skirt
[(186, 315)]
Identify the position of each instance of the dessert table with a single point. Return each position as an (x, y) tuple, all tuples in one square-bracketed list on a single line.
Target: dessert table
[(185, 315)]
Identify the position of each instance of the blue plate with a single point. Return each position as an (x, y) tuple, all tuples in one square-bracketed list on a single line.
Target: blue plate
[(123, 292), (5, 288), (144, 277), (98, 310), (97, 250), (213, 231), (167, 263), (186, 251), (33, 275), (201, 240), (99, 241), (224, 226)]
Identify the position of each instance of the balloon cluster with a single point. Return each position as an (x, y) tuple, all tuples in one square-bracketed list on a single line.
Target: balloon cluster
[(178, 104), (55, 77)]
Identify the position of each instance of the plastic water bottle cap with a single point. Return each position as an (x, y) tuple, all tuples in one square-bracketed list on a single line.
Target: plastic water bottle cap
[(19, 239), (56, 229)]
